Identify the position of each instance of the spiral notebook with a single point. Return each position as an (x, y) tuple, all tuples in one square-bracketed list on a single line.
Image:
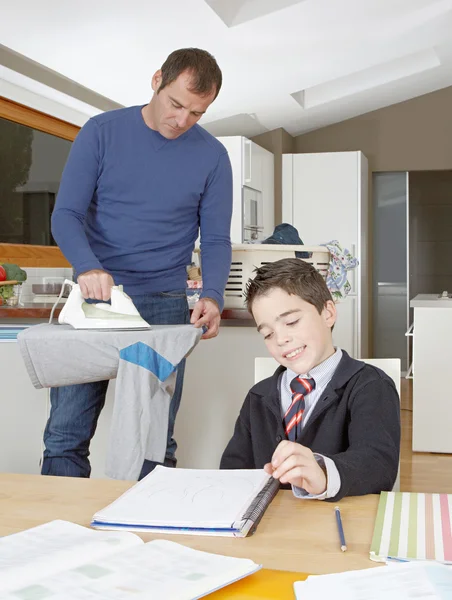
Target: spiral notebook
[(192, 501)]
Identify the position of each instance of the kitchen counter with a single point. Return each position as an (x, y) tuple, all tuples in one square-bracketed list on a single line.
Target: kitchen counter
[(430, 301), (33, 310), (432, 360), (230, 356)]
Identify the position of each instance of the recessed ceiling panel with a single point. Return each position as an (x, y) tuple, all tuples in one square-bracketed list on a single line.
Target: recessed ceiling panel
[(367, 79), (241, 124), (235, 12)]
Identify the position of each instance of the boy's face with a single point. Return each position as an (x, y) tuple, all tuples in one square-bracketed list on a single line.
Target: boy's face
[(296, 335)]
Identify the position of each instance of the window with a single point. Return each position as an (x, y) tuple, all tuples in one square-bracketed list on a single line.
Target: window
[(33, 151), (31, 164)]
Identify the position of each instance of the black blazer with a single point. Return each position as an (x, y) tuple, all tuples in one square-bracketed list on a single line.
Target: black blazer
[(356, 423)]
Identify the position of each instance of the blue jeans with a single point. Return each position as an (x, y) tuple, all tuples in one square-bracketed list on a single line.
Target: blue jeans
[(75, 409)]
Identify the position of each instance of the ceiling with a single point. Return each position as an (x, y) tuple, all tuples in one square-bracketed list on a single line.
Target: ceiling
[(297, 64)]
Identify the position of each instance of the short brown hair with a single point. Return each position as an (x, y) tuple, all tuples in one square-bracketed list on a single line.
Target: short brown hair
[(294, 276), (206, 74)]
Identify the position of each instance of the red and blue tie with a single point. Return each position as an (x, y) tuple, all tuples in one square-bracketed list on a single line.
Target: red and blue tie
[(294, 414)]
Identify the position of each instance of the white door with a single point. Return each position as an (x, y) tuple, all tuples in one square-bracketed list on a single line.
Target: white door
[(345, 332)]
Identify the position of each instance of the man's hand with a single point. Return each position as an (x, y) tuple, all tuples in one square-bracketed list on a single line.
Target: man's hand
[(96, 284), (206, 312), (295, 464)]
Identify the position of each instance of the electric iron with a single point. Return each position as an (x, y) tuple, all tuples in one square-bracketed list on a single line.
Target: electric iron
[(120, 314)]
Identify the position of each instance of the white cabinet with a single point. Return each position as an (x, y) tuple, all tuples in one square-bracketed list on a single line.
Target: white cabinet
[(252, 169), (252, 164), (206, 419), (23, 415), (99, 443), (208, 411), (432, 408), (325, 197)]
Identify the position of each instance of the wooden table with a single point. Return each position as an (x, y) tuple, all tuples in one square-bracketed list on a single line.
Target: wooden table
[(294, 535)]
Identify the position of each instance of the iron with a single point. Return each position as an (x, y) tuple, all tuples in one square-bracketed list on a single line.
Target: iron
[(120, 314)]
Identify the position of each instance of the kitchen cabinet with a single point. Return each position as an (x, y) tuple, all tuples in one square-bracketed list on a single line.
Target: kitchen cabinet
[(253, 180), (325, 197), (252, 164), (23, 414), (432, 408), (201, 411)]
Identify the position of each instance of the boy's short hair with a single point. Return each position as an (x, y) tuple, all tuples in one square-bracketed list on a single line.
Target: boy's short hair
[(294, 276)]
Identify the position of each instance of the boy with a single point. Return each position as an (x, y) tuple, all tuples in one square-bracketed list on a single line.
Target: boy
[(324, 423)]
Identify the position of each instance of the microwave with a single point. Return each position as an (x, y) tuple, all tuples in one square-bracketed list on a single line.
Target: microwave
[(253, 222)]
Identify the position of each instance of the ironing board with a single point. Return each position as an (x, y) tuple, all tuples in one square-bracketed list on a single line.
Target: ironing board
[(144, 364)]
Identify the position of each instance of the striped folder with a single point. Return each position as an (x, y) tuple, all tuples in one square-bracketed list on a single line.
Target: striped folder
[(412, 526)]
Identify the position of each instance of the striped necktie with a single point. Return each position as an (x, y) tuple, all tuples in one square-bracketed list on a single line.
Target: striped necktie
[(294, 414)]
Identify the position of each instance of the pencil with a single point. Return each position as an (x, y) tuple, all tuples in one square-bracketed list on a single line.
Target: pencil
[(337, 510)]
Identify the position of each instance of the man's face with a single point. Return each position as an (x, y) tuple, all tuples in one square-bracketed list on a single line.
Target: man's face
[(175, 109)]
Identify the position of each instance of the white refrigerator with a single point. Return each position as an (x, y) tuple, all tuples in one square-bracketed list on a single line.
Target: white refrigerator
[(325, 196)]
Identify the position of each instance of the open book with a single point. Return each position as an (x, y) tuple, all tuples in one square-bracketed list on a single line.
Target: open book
[(194, 501), (61, 560)]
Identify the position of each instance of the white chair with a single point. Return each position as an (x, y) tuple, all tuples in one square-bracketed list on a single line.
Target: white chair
[(265, 367)]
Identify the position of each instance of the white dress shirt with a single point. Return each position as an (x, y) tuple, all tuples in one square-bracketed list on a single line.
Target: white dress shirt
[(322, 375)]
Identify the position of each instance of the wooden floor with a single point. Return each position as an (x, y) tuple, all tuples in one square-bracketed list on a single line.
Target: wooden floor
[(420, 472)]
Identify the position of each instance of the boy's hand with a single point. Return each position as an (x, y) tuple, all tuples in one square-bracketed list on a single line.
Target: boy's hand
[(295, 464)]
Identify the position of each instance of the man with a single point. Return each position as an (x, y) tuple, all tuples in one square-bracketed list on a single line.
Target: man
[(138, 185)]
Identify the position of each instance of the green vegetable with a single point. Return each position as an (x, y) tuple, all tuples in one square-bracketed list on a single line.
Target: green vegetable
[(13, 272), (6, 291)]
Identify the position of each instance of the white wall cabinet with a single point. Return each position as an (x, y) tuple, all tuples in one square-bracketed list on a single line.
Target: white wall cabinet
[(252, 164), (325, 196), (23, 415), (252, 167)]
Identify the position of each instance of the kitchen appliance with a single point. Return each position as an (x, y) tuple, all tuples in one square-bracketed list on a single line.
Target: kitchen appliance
[(119, 314), (253, 226), (49, 292)]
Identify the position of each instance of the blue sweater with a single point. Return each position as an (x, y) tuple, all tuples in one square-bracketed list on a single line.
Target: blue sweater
[(130, 202)]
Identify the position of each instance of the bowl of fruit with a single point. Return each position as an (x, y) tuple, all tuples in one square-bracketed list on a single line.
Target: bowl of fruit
[(11, 279)]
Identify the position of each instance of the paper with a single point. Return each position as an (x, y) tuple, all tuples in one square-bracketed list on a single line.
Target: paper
[(158, 569), (186, 498), (419, 581), (57, 545), (413, 526)]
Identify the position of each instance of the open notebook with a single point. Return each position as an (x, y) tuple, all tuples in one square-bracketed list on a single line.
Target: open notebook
[(413, 526), (61, 560), (194, 501)]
